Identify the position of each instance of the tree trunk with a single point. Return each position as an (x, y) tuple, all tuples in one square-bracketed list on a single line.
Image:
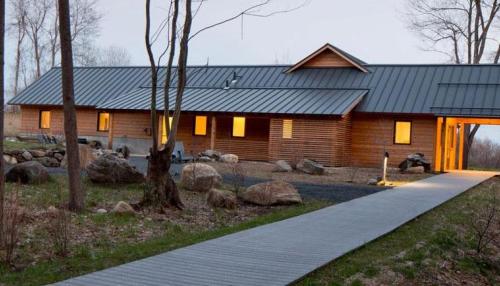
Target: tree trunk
[(161, 190), (469, 135), (76, 193), (2, 87)]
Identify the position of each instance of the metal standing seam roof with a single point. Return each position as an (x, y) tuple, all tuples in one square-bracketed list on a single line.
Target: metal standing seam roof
[(403, 89), (247, 100)]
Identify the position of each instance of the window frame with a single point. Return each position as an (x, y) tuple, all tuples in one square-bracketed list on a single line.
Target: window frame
[(206, 126), (283, 129), (99, 118), (244, 127), (395, 130), (40, 119)]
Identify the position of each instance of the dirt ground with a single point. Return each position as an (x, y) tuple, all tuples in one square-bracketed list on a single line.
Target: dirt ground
[(333, 175)]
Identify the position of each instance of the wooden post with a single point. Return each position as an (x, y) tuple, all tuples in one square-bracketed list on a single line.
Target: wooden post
[(110, 132), (213, 130), (461, 147), (443, 144)]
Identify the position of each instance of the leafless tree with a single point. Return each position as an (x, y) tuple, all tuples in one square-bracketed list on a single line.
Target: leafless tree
[(162, 190), (76, 192), (464, 30), (111, 56), (485, 153), (2, 90), (18, 28), (484, 221)]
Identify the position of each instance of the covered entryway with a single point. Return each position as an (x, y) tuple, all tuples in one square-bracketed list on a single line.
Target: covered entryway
[(450, 134)]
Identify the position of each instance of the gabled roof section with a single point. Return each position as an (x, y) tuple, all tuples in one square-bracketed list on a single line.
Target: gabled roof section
[(329, 56)]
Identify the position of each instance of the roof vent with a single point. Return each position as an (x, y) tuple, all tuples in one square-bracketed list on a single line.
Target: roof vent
[(227, 86)]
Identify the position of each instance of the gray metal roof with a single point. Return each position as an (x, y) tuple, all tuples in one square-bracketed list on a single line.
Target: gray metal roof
[(248, 100), (415, 89)]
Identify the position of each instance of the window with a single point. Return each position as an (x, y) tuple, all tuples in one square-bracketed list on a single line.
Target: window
[(287, 128), (164, 135), (200, 125), (238, 126), (44, 119), (402, 132), (103, 121)]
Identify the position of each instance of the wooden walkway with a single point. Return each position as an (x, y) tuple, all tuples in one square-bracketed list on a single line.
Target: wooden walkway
[(283, 252)]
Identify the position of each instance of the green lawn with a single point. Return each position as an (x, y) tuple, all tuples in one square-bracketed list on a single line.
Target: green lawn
[(103, 240), (435, 249)]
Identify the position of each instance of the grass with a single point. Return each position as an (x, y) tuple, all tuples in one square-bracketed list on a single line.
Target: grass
[(437, 245), (102, 252), (20, 145)]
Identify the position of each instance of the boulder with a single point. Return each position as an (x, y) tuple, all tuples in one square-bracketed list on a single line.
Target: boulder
[(111, 169), (282, 166), (211, 154), (221, 199), (229, 158), (31, 172), (415, 160), (48, 162), (205, 159), (27, 156), (200, 177), (310, 167), (124, 150), (11, 160), (123, 208), (59, 156), (271, 193), (37, 153), (372, 182), (101, 211)]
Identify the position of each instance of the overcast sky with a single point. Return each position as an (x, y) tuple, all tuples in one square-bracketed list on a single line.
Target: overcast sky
[(372, 30)]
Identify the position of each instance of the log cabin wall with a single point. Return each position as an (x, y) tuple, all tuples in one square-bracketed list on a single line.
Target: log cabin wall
[(327, 141), (374, 134), (327, 59), (255, 144)]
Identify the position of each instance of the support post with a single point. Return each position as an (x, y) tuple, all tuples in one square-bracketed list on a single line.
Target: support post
[(110, 132), (443, 145), (461, 147), (213, 132)]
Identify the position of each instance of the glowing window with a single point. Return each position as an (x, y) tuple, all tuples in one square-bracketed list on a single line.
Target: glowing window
[(200, 125), (238, 126), (44, 120), (287, 128), (402, 132), (164, 135), (103, 121)]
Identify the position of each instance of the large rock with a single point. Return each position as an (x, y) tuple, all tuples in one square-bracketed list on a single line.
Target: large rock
[(37, 153), (271, 193), (221, 199), (200, 177), (31, 172), (11, 160), (211, 154), (111, 169), (310, 167), (282, 166), (229, 158), (48, 162), (123, 208), (415, 160), (27, 156)]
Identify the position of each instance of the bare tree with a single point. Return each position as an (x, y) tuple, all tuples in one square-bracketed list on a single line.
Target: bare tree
[(36, 18), (18, 28), (2, 90), (162, 190), (111, 56), (463, 30), (76, 192)]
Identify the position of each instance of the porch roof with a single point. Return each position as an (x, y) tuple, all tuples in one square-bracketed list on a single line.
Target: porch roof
[(337, 102)]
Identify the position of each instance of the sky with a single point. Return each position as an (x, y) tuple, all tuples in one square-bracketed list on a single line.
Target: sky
[(372, 30)]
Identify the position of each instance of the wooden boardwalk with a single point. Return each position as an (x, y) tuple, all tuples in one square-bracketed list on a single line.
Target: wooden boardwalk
[(283, 252)]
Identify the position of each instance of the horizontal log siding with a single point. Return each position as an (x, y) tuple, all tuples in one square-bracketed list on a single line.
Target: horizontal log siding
[(255, 144), (372, 135), (327, 59), (327, 141)]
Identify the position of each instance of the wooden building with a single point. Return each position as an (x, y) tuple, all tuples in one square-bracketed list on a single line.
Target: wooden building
[(330, 107)]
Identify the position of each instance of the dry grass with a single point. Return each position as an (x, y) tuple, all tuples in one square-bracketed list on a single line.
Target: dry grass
[(333, 175)]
